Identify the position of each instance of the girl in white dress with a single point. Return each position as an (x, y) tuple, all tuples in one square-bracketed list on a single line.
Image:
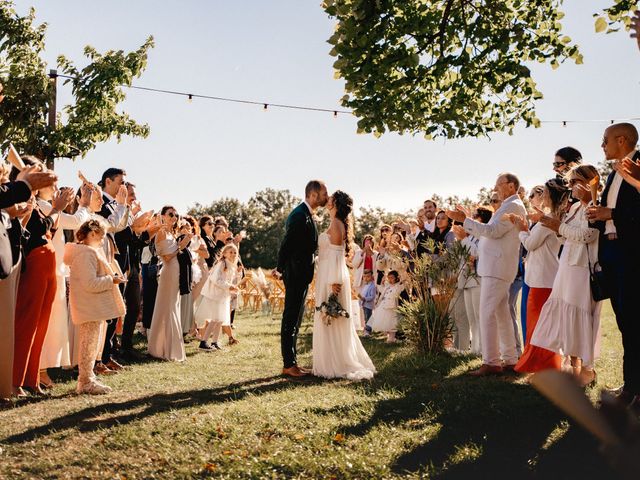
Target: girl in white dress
[(337, 350), (385, 316), (214, 310), (569, 322), (165, 334)]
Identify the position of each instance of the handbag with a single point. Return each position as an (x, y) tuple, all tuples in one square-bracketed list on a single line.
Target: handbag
[(597, 279)]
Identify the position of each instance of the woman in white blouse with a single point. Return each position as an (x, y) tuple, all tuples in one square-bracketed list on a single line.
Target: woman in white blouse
[(542, 245), (569, 323), (55, 350)]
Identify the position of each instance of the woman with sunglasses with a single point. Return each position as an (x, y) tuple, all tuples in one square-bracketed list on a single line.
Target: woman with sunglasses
[(165, 335), (569, 321), (206, 228)]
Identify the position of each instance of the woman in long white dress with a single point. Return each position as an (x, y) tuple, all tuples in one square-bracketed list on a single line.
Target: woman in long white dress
[(165, 334), (337, 350), (569, 322)]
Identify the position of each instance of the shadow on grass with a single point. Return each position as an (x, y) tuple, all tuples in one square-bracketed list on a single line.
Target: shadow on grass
[(494, 427), (88, 419)]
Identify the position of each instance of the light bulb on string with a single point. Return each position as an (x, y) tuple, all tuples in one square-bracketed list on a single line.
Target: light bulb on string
[(564, 123), (335, 114), (190, 98), (265, 107)]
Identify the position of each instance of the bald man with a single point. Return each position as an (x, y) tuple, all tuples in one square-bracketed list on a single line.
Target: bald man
[(618, 218)]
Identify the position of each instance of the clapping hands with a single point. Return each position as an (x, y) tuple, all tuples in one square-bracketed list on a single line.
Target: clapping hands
[(121, 196), (38, 179), (552, 223), (630, 171), (519, 221), (142, 222), (62, 198), (459, 232), (458, 215)]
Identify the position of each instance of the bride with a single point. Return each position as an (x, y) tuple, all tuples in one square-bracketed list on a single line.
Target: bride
[(337, 351)]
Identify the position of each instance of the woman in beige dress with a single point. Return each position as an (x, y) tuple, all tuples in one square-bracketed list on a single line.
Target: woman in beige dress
[(165, 334)]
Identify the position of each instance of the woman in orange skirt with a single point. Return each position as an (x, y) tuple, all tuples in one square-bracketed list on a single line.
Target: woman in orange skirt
[(36, 290), (543, 247)]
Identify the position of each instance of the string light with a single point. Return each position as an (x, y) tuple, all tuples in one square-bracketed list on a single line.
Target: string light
[(265, 106)]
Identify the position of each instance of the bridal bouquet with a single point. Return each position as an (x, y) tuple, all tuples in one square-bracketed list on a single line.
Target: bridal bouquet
[(332, 310)]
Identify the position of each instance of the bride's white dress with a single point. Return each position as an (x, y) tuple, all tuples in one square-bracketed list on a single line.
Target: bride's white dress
[(337, 350)]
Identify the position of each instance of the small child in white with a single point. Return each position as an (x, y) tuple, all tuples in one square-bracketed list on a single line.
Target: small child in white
[(214, 310), (385, 315)]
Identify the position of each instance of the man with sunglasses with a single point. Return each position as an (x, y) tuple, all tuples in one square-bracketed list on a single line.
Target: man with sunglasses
[(618, 219), (565, 159)]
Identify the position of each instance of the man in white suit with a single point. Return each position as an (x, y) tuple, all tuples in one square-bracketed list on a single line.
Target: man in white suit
[(498, 249)]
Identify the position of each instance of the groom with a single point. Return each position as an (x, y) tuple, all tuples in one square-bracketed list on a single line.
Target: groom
[(296, 265)]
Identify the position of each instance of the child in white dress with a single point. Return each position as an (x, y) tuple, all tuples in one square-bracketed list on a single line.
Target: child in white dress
[(214, 310), (385, 315)]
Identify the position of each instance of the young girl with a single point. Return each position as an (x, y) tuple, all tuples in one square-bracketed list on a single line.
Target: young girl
[(385, 315), (214, 310), (94, 297)]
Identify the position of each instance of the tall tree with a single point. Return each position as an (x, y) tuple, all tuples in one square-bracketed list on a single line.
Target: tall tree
[(449, 68), (93, 117)]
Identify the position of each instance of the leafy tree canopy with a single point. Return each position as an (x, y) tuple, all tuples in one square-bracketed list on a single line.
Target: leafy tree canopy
[(449, 68), (94, 115)]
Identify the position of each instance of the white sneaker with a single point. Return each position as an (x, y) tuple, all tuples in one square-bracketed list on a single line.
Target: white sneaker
[(95, 388)]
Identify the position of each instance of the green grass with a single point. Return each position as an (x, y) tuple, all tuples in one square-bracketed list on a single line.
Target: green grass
[(230, 415)]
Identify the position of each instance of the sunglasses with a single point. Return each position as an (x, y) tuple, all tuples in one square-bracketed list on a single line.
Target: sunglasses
[(171, 214), (210, 224), (559, 164)]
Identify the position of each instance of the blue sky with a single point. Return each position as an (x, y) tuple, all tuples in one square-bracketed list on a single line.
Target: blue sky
[(276, 51)]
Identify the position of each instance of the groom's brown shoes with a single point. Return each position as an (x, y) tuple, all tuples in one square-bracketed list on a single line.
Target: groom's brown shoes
[(486, 370), (293, 372)]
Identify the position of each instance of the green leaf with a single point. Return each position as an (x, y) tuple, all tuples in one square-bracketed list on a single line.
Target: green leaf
[(600, 25)]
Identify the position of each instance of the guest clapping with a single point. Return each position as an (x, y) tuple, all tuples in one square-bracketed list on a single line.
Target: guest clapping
[(542, 246), (569, 322), (165, 335), (36, 289)]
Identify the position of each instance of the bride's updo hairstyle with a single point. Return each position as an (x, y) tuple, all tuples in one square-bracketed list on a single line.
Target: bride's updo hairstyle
[(343, 204)]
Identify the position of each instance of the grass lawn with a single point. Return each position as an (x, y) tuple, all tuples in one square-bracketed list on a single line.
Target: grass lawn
[(231, 415)]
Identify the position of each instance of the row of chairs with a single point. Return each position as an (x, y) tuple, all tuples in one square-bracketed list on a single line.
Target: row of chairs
[(258, 296)]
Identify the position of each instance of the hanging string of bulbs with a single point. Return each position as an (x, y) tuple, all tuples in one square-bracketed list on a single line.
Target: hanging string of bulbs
[(191, 96), (335, 112)]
